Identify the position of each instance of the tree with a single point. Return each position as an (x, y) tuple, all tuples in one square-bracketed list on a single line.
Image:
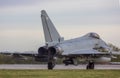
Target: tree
[(114, 48)]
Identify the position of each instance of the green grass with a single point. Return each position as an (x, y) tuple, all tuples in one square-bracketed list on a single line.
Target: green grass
[(59, 73)]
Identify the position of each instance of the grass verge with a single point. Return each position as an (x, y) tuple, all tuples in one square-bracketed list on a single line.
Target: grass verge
[(59, 73)]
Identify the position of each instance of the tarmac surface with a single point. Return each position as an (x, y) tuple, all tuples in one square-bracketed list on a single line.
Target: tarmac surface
[(41, 66)]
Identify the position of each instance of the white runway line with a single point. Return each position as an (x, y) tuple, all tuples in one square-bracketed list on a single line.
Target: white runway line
[(37, 66)]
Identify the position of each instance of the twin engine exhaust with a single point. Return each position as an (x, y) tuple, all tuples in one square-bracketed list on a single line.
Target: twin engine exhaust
[(44, 53)]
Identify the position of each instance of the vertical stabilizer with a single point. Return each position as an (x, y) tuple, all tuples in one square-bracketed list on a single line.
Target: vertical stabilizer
[(50, 32)]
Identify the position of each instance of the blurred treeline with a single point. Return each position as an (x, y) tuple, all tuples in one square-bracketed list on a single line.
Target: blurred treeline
[(9, 59)]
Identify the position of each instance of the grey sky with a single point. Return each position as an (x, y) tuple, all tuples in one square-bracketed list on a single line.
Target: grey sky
[(9, 3), (21, 29)]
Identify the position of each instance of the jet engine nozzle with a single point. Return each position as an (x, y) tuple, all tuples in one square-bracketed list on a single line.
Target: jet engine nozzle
[(55, 50), (42, 51)]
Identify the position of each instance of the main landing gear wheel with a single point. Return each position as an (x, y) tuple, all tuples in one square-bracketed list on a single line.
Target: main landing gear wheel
[(90, 65), (51, 65)]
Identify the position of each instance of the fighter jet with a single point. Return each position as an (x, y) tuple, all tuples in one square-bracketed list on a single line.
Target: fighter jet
[(89, 47)]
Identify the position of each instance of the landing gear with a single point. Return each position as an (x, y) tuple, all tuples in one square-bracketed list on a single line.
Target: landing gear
[(51, 58), (66, 62), (90, 65), (51, 62), (51, 65)]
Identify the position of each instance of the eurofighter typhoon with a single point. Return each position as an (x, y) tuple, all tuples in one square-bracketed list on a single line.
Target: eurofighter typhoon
[(89, 47)]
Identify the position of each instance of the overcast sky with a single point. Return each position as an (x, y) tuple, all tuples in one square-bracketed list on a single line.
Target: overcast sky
[(21, 27)]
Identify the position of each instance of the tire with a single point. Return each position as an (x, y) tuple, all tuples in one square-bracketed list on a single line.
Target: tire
[(87, 67), (50, 65), (90, 65), (65, 62)]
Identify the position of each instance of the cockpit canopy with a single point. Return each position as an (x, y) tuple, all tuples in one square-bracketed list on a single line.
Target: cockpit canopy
[(94, 35)]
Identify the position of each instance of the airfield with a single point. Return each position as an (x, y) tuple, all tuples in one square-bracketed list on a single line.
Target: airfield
[(39, 66)]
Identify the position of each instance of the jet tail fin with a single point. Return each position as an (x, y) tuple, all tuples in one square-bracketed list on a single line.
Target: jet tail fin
[(50, 32)]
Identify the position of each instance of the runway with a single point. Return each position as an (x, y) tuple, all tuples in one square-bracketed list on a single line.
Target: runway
[(39, 66)]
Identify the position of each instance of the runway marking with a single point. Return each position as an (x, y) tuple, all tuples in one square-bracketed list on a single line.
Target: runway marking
[(39, 66)]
